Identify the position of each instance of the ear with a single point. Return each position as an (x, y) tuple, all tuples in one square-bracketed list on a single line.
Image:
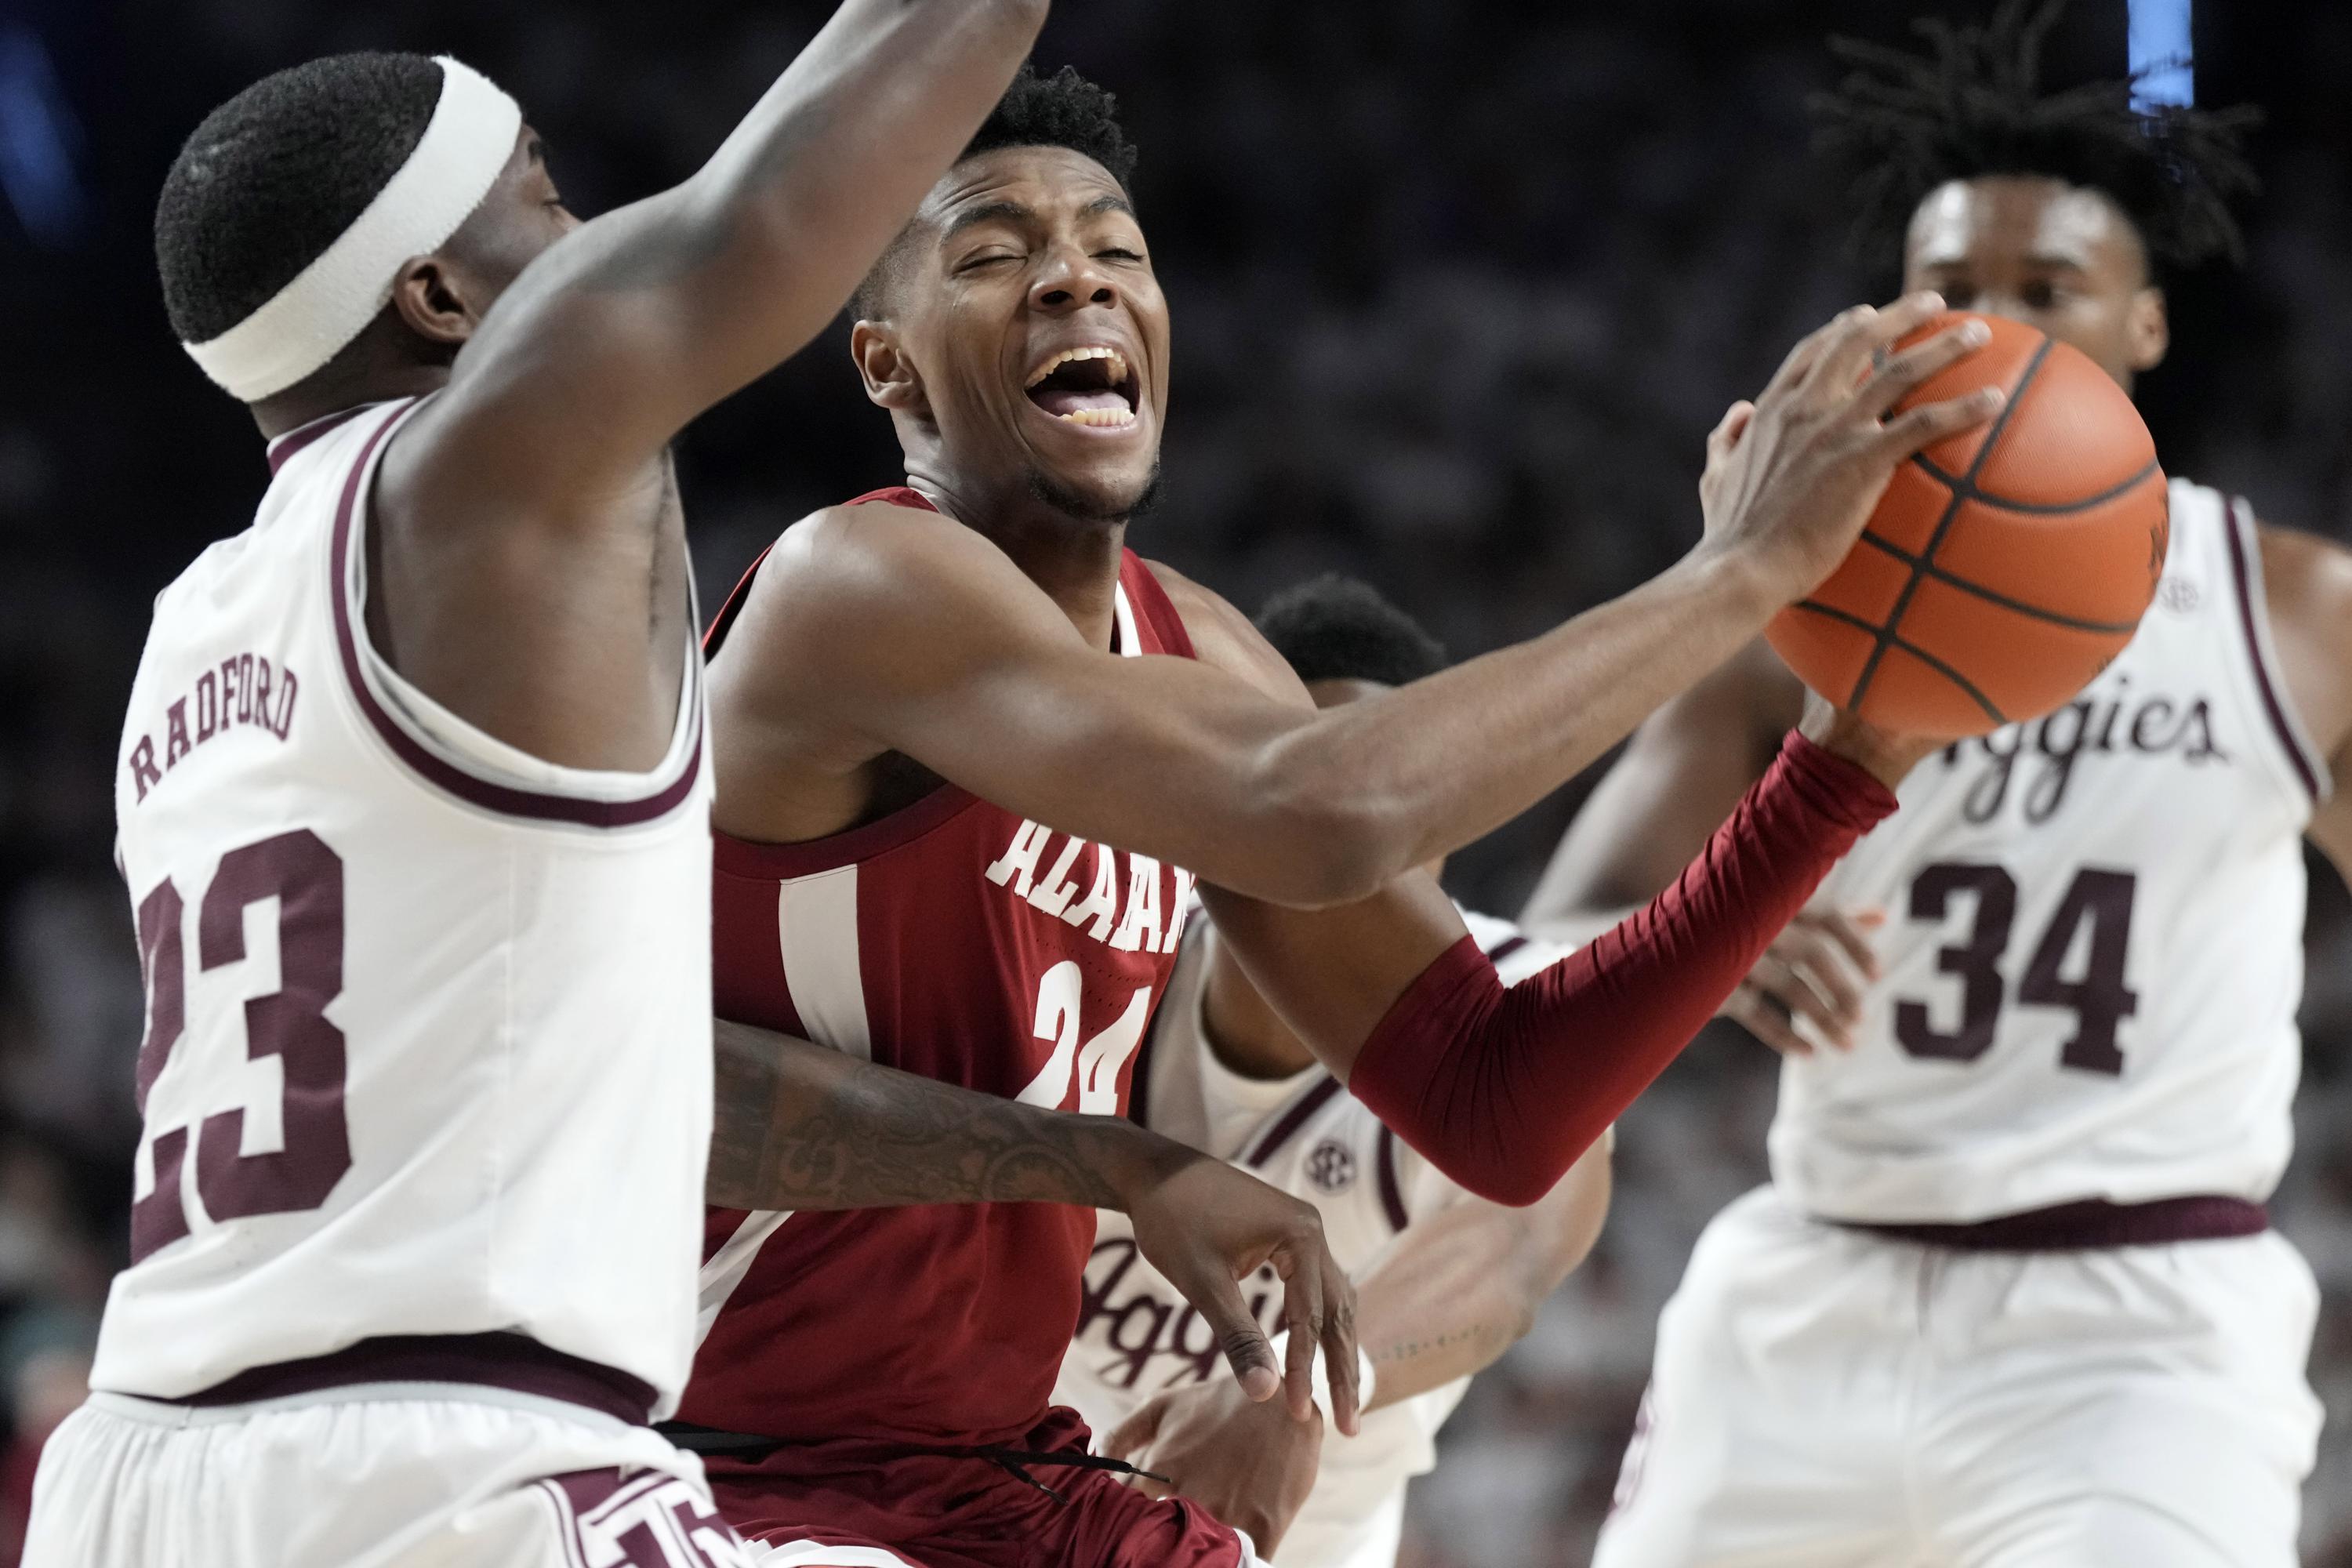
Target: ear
[(2147, 329), (891, 380), (430, 296)]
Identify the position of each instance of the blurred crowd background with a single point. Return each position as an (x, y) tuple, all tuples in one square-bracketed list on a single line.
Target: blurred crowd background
[(1459, 286)]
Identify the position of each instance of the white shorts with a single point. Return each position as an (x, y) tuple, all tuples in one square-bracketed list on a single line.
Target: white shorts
[(412, 1475), (1829, 1397)]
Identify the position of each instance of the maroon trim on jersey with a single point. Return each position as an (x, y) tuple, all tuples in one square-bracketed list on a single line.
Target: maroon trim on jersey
[(1284, 1131), (282, 450), (1505, 948), (504, 799), (750, 857), (2092, 1225), (512, 1361), (2241, 571), (1392, 1189)]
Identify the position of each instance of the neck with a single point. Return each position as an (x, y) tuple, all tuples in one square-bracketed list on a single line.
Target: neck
[(1242, 1028), (315, 399), (1073, 559)]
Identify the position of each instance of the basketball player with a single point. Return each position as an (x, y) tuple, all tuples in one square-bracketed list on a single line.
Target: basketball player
[(940, 705), (1447, 1281), (2011, 1296), (412, 805)]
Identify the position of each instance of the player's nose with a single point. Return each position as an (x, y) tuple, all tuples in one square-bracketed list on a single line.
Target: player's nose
[(1071, 279)]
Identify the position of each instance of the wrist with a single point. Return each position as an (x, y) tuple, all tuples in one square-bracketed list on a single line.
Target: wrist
[(1134, 1160), (1740, 578), (1886, 755)]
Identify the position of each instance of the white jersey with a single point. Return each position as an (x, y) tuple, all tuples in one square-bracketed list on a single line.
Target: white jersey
[(427, 1045), (2093, 953), (1310, 1137)]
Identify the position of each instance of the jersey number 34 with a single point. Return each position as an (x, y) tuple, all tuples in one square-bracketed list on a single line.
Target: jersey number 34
[(306, 878), (2099, 900)]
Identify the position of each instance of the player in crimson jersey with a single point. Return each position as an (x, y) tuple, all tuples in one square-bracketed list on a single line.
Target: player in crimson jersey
[(938, 709)]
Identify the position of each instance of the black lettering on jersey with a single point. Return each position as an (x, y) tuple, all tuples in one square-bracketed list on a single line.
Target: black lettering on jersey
[(2038, 760), (1136, 1321), (245, 691)]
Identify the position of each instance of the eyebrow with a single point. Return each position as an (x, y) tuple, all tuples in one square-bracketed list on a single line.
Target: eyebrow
[(1014, 212), (992, 212)]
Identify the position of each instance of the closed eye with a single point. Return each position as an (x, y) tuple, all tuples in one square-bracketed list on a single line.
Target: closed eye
[(987, 258), (1117, 254)]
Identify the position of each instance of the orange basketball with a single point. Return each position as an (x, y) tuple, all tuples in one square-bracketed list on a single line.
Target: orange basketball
[(2006, 565)]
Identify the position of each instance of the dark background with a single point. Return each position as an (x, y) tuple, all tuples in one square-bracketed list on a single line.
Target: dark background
[(1458, 290)]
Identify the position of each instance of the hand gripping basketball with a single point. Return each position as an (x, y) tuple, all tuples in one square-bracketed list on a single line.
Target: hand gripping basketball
[(2002, 568), (1791, 478)]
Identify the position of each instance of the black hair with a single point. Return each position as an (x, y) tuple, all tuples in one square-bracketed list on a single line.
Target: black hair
[(1970, 104), (1064, 109), (1338, 628), (276, 174)]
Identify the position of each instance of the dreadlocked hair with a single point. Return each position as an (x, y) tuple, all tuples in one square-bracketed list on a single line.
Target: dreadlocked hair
[(1970, 104), (1064, 109)]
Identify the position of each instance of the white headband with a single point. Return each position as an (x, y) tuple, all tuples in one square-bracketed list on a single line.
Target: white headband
[(331, 302)]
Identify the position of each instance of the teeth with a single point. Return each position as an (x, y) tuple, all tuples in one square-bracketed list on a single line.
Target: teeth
[(1106, 419), (1068, 356)]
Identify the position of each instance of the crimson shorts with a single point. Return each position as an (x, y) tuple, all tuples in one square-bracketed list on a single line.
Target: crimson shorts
[(856, 1505)]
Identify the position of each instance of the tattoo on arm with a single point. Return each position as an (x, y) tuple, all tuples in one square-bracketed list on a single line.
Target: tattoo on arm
[(1502, 1336), (798, 1126)]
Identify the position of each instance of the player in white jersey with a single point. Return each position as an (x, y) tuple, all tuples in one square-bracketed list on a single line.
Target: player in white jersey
[(1446, 1282), (2011, 1296), (412, 805)]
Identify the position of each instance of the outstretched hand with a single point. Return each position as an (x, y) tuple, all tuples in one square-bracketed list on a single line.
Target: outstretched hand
[(1207, 1226), (1793, 477)]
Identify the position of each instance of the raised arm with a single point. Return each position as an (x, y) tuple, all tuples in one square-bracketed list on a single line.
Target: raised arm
[(796, 1126), (915, 636), (611, 342), (1506, 1088)]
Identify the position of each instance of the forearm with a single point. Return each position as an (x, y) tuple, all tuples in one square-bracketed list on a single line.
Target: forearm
[(1504, 1089), (615, 340), (1424, 770), (799, 202), (1464, 1286), (796, 1126)]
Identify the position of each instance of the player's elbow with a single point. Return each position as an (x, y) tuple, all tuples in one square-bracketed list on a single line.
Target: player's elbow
[(1508, 1183), (1326, 845)]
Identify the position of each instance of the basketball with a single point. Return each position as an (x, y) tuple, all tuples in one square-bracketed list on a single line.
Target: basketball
[(2005, 566)]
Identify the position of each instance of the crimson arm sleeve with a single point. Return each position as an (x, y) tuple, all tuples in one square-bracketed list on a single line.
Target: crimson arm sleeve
[(1503, 1088)]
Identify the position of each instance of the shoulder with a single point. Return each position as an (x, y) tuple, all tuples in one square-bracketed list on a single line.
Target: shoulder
[(2307, 591), (872, 596), (2307, 580), (1223, 639), (846, 564)]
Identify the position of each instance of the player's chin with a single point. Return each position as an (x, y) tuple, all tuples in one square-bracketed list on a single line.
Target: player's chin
[(1089, 477)]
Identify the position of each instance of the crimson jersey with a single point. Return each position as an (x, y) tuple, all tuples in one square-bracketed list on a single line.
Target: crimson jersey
[(955, 940)]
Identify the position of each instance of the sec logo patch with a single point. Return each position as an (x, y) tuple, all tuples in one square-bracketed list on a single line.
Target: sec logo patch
[(1331, 1166)]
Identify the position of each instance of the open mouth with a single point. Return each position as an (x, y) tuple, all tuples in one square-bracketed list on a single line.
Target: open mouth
[(1091, 386)]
